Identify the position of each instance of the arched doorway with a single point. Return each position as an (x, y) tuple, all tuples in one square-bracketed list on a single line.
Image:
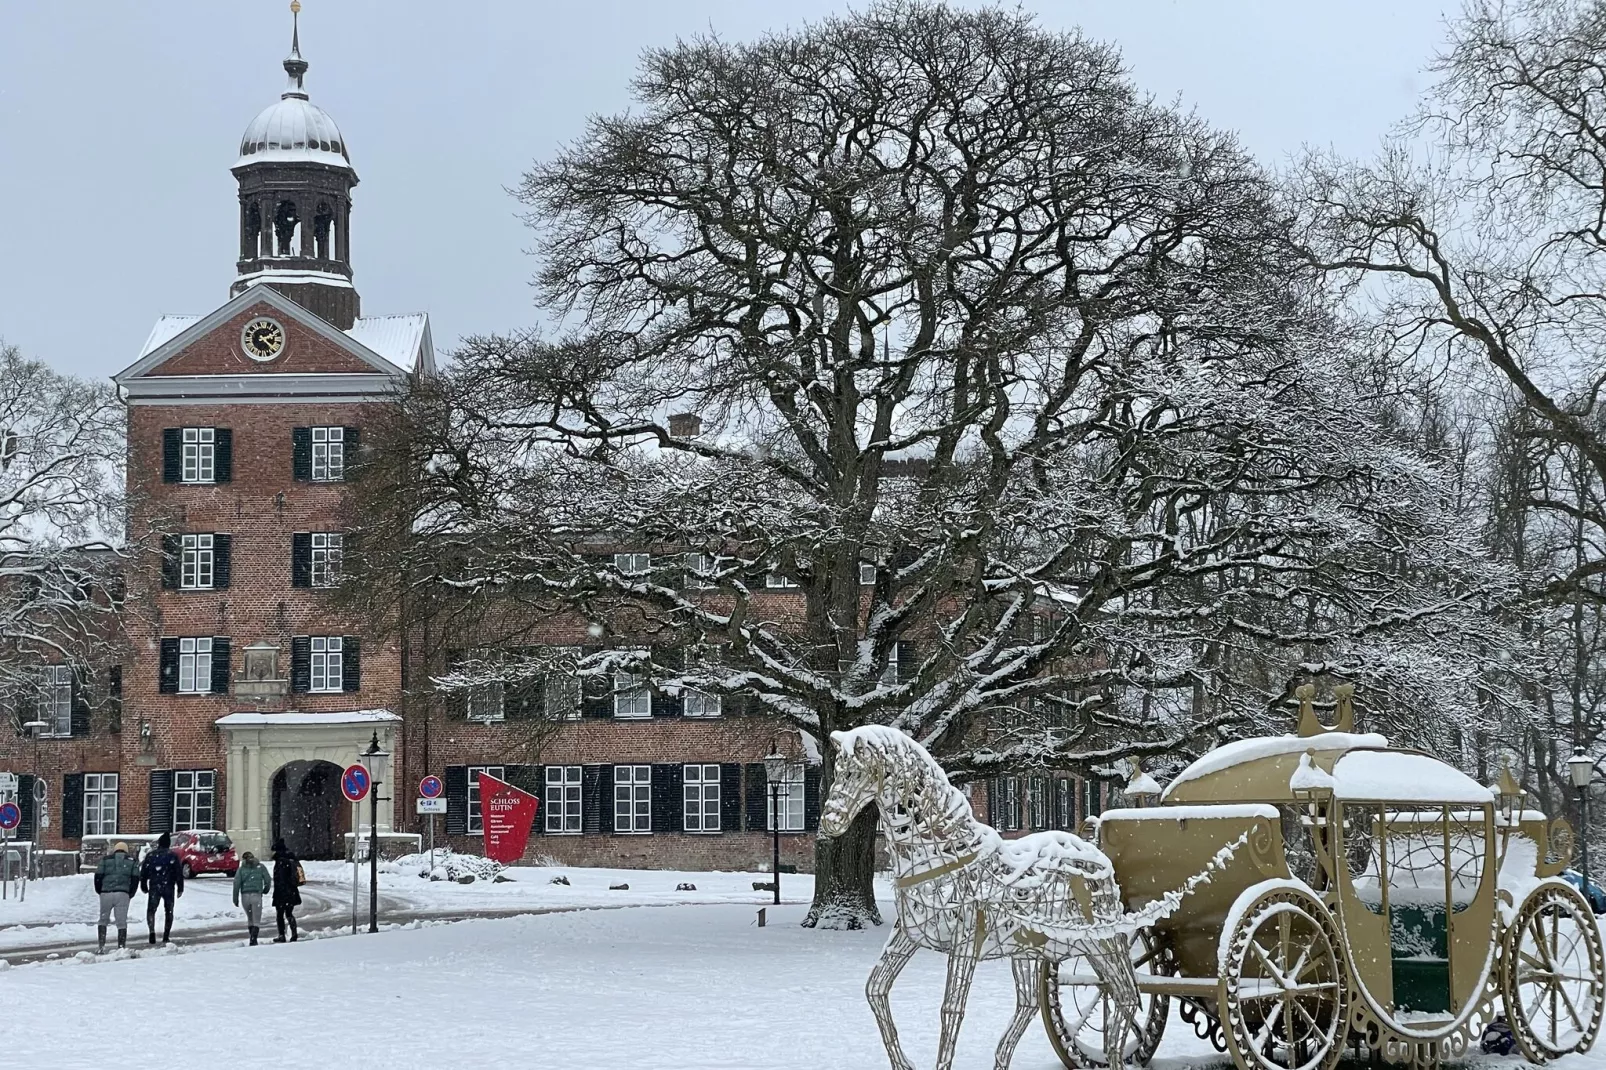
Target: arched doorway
[(309, 812)]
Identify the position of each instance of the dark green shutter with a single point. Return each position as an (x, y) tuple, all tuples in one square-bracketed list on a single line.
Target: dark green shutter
[(220, 665), (811, 798), (172, 559), (160, 807), (72, 806), (222, 455), (81, 706), (301, 454), (591, 800), (222, 560), (350, 663), (757, 798), (301, 663), (353, 446), (25, 803), (172, 454), (668, 797), (167, 680), (456, 780), (301, 559), (730, 796)]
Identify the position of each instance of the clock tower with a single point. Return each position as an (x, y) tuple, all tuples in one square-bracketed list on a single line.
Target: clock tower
[(295, 178)]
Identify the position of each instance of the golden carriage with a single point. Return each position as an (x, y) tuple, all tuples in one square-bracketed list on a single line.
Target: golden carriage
[(1367, 898)]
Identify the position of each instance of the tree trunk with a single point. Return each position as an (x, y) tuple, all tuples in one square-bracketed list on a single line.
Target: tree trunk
[(844, 878)]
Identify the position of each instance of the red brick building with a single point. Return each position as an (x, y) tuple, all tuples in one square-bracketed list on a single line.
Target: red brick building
[(243, 689)]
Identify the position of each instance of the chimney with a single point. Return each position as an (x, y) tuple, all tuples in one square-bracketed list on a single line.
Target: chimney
[(685, 425)]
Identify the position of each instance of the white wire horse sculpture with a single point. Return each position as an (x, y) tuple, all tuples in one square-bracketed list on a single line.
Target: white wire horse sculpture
[(962, 889)]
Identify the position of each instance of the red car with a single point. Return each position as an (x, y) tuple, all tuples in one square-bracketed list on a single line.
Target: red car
[(205, 851)]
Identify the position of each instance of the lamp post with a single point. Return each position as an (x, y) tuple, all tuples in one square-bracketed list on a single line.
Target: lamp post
[(35, 729), (775, 772), (1582, 771), (373, 760)]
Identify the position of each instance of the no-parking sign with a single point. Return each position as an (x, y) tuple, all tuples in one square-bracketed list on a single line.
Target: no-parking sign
[(354, 783), (10, 816), (431, 787)]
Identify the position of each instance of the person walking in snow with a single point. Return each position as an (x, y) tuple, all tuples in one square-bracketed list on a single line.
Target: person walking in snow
[(251, 882), (286, 889), (161, 877), (115, 880)]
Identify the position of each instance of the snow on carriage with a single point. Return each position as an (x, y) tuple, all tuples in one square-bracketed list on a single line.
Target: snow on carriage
[(1374, 897)]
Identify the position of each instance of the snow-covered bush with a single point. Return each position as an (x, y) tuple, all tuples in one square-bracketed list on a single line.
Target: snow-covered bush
[(449, 866)]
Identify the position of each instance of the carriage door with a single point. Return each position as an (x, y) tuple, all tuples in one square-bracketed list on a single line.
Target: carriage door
[(1422, 867)]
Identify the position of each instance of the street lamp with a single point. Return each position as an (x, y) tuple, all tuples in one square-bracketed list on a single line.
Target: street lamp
[(775, 772), (373, 760), (1582, 770)]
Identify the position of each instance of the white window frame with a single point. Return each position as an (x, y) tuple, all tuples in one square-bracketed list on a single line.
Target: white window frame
[(100, 804), (632, 800), (775, 581), (194, 790), (200, 455), (487, 702), (196, 563), (328, 664), (699, 568), (476, 819), (866, 574), (328, 454), (560, 691), (195, 665), (1065, 803), (55, 701), (1038, 816), (889, 675), (328, 557), (563, 800), (791, 799), (697, 703), (700, 798), (632, 698), (632, 564)]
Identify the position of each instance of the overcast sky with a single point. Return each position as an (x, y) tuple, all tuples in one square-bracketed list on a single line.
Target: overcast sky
[(119, 121)]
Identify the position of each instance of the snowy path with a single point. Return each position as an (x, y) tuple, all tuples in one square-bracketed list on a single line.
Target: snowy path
[(695, 988)]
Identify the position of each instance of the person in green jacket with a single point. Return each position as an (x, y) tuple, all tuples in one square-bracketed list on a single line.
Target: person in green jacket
[(251, 882), (115, 880)]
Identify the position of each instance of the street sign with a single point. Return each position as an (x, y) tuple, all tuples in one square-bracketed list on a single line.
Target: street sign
[(41, 790), (432, 806), (431, 788), (354, 783), (8, 783), (10, 816)]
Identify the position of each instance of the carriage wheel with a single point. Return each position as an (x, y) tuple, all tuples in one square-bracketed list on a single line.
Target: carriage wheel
[(1075, 1008), (1553, 978), (1282, 994)]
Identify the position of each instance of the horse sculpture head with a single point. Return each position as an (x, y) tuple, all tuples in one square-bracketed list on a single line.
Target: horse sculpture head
[(854, 785)]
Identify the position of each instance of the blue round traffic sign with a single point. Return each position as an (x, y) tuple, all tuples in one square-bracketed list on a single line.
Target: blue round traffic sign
[(354, 783), (10, 816), (431, 787)]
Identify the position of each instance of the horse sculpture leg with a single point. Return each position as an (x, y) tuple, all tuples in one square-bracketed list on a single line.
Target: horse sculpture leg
[(1027, 970), (961, 968), (894, 957)]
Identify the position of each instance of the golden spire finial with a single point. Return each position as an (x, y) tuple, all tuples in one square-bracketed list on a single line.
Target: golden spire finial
[(295, 7)]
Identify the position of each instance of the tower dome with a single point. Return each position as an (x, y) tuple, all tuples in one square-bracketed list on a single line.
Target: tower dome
[(295, 181)]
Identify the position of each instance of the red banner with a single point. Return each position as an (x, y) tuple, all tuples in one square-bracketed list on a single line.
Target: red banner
[(508, 813)]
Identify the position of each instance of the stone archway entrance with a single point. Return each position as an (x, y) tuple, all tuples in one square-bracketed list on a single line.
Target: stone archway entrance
[(309, 813), (263, 747)]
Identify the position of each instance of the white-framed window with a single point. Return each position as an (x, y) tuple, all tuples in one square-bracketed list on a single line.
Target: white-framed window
[(632, 798), (100, 804), (791, 800), (889, 675), (328, 454), (1009, 804), (327, 663), (700, 570), (195, 564), (701, 796), (1037, 804), (701, 703), (200, 455), (561, 690), (695, 703), (194, 665), (328, 554), (563, 799), (487, 702), (631, 695), (776, 580), (632, 564), (1064, 807), (476, 820), (193, 793), (55, 700), (866, 574)]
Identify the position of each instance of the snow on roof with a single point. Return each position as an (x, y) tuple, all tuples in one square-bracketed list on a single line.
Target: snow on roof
[(1247, 750), (1399, 776), (167, 328), (264, 720), (1142, 784), (1192, 811), (403, 340), (1309, 777)]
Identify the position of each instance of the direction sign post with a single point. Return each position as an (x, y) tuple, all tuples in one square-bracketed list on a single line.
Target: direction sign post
[(354, 785), (431, 803)]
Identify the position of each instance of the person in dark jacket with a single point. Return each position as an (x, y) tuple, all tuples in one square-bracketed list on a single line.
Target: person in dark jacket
[(286, 890), (115, 880), (161, 877)]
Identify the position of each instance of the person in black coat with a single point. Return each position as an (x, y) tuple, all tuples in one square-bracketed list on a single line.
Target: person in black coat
[(161, 877), (286, 889)]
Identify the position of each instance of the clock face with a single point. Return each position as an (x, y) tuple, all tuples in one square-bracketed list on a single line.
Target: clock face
[(262, 339)]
